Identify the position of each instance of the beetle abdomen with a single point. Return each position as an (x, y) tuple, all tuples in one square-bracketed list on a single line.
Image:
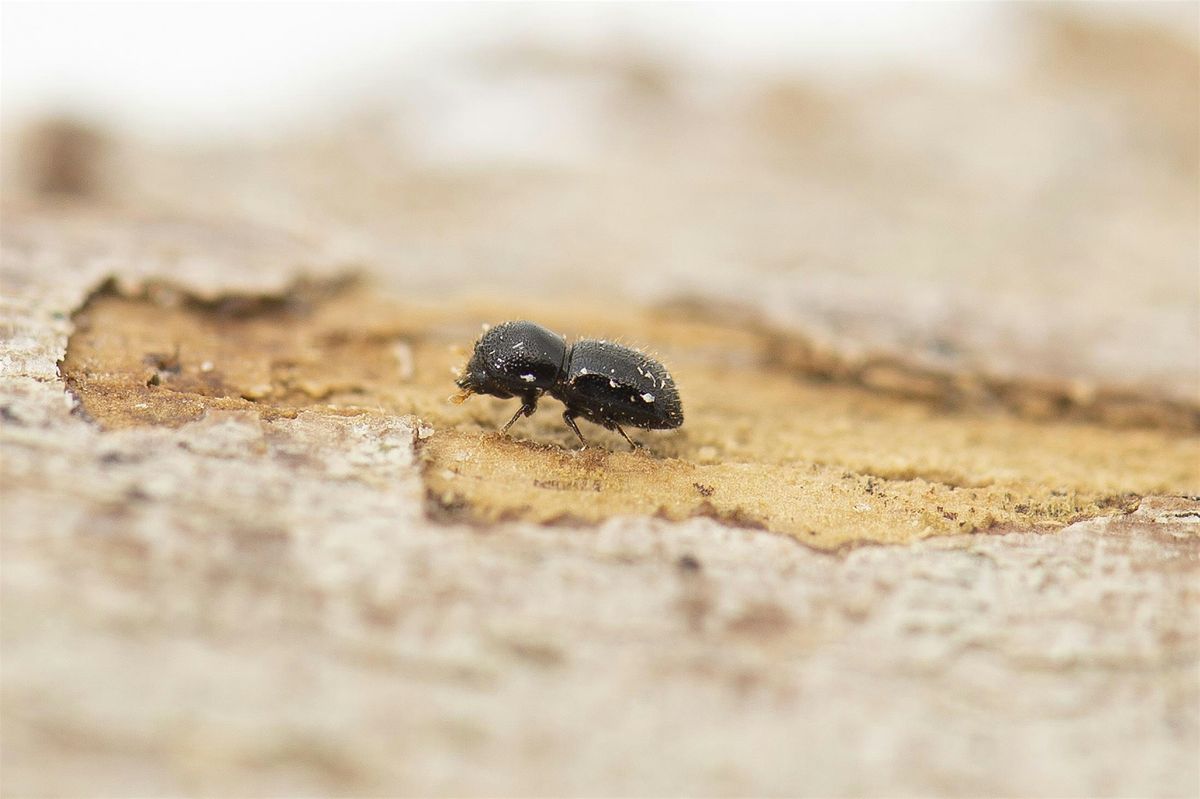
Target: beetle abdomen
[(607, 383)]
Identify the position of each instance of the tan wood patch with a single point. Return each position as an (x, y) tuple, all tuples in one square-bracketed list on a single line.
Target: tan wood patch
[(831, 462)]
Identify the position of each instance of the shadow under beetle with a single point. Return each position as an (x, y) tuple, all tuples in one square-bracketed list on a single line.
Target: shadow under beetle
[(600, 381)]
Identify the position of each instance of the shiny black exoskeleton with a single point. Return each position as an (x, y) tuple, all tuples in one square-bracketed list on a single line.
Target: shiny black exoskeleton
[(600, 381)]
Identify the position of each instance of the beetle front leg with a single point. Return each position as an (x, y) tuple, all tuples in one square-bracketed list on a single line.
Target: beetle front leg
[(527, 408)]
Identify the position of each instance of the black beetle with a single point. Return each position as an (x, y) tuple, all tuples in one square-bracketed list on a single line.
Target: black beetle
[(603, 382)]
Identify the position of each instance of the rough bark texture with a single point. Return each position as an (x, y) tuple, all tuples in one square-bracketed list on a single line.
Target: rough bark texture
[(274, 561)]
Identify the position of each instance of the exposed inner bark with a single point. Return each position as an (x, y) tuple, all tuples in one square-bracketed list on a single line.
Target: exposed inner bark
[(777, 435)]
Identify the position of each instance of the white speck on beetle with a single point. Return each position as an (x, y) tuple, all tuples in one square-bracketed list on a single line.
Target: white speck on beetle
[(648, 397), (528, 378), (612, 383)]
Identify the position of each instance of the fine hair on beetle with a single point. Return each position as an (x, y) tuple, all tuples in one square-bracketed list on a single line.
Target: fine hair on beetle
[(605, 383)]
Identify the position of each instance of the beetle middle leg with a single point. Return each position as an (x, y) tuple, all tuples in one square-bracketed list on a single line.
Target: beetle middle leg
[(569, 418)]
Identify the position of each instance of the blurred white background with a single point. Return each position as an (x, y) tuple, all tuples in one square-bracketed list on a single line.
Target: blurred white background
[(198, 69)]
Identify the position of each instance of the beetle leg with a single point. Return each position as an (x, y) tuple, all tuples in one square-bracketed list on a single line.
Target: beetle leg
[(527, 408), (632, 443), (569, 418)]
